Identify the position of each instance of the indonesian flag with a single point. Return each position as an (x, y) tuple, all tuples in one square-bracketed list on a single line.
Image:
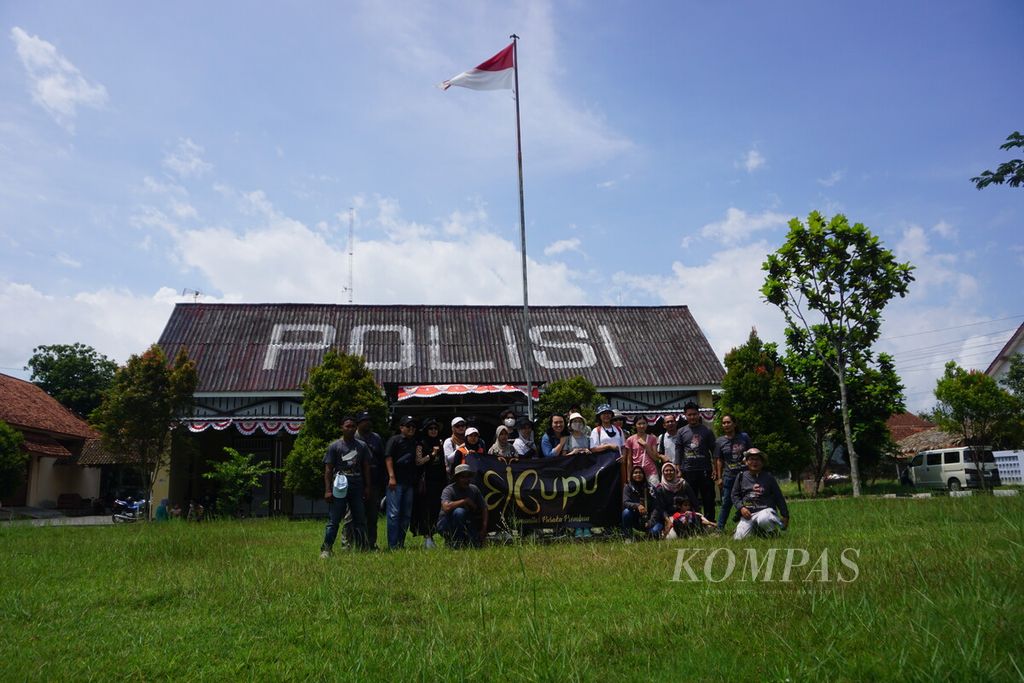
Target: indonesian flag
[(497, 73)]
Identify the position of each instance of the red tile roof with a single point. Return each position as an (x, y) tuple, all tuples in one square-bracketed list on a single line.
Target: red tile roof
[(93, 453), (24, 405), (40, 444), (906, 424)]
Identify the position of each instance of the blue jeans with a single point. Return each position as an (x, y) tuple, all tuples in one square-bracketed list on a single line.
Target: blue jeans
[(399, 504), (723, 515), (336, 513), (459, 528), (631, 519)]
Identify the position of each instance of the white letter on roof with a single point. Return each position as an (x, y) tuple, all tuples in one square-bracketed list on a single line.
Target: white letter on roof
[(407, 347), (512, 347), (437, 364), (609, 345), (587, 356), (277, 345)]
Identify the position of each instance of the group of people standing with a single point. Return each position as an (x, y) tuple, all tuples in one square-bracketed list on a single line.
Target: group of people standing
[(426, 481)]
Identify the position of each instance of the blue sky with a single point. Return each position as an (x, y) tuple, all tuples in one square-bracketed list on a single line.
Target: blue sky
[(148, 148)]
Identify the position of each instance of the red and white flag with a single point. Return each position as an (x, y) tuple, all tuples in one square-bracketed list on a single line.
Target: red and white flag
[(497, 73)]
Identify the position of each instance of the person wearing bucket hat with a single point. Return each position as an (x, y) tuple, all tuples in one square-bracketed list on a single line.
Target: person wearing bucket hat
[(400, 460), (471, 446), (346, 471), (524, 445), (757, 496), (463, 517), (606, 436), (579, 436)]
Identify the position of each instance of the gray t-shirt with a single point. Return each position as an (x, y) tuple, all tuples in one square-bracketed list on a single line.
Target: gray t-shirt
[(347, 457), (453, 493)]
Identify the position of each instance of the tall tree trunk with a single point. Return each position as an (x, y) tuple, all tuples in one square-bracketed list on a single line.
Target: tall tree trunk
[(848, 432)]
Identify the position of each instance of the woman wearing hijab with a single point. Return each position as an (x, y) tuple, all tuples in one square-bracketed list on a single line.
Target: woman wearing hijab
[(553, 442), (638, 507), (672, 486), (502, 446), (432, 479)]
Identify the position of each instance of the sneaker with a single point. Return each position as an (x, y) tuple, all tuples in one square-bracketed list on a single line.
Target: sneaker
[(578, 533), (587, 533), (429, 543), (325, 554)]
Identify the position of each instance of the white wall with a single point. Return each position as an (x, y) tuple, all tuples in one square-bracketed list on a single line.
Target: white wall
[(48, 480)]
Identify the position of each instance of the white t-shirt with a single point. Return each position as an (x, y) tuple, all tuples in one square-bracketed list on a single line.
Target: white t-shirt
[(599, 436)]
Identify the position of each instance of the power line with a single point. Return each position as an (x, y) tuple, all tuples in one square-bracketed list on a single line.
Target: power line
[(921, 355), (953, 342), (954, 327)]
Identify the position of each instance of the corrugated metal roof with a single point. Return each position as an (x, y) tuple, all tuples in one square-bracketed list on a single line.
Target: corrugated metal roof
[(272, 347)]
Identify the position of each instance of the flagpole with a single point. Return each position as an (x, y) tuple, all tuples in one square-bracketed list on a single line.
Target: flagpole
[(528, 360)]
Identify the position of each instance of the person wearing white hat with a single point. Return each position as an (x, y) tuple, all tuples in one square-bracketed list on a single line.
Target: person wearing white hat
[(579, 440), (463, 518), (757, 496), (452, 443)]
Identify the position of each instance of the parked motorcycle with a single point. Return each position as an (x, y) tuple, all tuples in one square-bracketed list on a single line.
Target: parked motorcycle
[(128, 510)]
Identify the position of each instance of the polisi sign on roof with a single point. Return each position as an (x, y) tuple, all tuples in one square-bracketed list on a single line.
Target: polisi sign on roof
[(272, 347)]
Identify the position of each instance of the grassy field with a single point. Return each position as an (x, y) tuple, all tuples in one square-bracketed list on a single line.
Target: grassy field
[(939, 595)]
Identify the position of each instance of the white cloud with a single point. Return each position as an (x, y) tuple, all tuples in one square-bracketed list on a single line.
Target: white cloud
[(738, 225), (66, 260), (186, 160), (945, 230), (116, 322), (753, 161), (560, 246), (56, 84), (832, 179), (935, 272), (412, 263)]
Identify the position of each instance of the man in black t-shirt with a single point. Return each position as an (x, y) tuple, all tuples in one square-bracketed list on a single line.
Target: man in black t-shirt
[(350, 457), (400, 461), (694, 444), (729, 463), (378, 474)]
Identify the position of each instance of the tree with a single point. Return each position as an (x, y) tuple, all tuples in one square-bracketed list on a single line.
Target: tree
[(12, 460), (756, 392), (144, 405), (341, 385), (1010, 172), (236, 477), (74, 374), (561, 394), (1013, 380), (838, 278), (972, 406)]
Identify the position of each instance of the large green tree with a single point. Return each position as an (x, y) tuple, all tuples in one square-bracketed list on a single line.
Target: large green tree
[(836, 277), (341, 385), (12, 460), (756, 392), (74, 374), (1010, 172), (144, 405), (973, 406), (875, 394)]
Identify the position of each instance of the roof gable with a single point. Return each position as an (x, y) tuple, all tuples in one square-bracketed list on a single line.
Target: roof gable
[(23, 404), (272, 347)]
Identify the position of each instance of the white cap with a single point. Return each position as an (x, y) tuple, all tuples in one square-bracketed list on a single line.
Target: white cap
[(456, 420), (575, 416), (472, 430)]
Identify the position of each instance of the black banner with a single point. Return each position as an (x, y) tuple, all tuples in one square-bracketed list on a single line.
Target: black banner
[(544, 492)]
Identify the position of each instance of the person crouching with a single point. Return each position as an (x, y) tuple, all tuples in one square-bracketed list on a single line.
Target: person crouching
[(463, 519), (685, 522), (757, 496), (638, 506)]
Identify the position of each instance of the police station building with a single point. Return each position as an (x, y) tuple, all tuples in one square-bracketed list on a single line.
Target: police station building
[(440, 361)]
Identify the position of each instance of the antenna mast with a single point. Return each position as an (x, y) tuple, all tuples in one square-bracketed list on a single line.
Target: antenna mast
[(351, 252)]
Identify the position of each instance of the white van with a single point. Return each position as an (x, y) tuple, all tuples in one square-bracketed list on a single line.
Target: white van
[(953, 468)]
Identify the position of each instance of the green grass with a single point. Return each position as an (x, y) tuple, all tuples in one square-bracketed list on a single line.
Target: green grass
[(939, 596)]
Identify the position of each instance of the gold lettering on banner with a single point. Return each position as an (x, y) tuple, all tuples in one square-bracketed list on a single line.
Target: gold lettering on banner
[(523, 490)]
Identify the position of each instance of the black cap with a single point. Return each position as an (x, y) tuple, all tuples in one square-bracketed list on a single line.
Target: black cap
[(523, 421), (360, 417), (407, 420), (430, 422)]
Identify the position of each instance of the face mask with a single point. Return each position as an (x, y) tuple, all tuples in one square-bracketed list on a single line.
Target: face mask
[(510, 422), (577, 427)]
